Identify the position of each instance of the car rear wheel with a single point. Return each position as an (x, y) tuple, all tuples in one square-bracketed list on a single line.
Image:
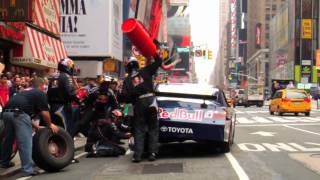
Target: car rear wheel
[(271, 112), (296, 114), (307, 113)]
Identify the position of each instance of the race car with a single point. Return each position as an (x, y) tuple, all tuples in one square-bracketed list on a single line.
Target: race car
[(195, 112)]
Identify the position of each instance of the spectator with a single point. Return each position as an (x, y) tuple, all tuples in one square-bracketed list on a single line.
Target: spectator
[(4, 90), (16, 87)]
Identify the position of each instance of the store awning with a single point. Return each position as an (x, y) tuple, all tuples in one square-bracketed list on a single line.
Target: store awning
[(39, 51)]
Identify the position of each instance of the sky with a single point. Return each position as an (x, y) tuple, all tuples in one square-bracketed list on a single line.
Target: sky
[(204, 19)]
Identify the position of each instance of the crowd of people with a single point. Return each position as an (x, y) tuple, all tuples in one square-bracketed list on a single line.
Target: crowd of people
[(105, 110)]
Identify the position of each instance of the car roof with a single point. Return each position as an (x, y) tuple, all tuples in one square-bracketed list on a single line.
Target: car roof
[(293, 90), (188, 88)]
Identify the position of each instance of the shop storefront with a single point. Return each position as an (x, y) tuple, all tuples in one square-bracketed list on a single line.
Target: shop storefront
[(30, 41)]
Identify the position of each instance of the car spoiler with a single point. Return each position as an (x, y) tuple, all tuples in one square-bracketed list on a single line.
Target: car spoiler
[(190, 96)]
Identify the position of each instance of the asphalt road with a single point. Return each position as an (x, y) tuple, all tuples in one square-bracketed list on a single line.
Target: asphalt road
[(266, 147)]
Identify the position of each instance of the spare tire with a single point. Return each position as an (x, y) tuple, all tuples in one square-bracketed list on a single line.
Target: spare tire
[(52, 152)]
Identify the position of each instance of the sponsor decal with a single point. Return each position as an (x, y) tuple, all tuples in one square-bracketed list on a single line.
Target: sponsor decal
[(179, 130), (196, 115)]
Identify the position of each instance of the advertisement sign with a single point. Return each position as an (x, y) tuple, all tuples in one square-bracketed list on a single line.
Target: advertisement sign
[(46, 14), (318, 58), (16, 10), (11, 33), (258, 35), (233, 30), (306, 28), (93, 28)]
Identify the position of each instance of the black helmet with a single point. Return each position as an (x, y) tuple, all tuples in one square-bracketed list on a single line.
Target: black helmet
[(132, 65), (66, 65)]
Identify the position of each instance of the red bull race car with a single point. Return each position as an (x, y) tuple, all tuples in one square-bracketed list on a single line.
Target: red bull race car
[(195, 112)]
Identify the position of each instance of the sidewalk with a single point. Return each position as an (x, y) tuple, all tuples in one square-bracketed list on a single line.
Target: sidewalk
[(79, 144)]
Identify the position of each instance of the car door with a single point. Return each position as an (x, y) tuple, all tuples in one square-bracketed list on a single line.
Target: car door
[(275, 101)]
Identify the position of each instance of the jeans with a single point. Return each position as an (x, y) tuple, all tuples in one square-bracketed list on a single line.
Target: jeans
[(18, 126), (61, 115)]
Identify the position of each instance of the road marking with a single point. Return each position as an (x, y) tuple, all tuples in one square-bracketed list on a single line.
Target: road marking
[(279, 119), (236, 166), (261, 119), (302, 130), (263, 133), (279, 147), (244, 120), (267, 125)]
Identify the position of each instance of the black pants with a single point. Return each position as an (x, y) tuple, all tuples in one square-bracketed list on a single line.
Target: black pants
[(146, 123), (84, 124), (61, 115)]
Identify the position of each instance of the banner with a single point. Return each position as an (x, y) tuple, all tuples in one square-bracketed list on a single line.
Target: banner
[(155, 18), (16, 10), (46, 14), (92, 28)]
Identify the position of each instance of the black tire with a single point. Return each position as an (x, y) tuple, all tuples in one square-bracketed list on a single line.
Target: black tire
[(271, 113), (226, 147), (61, 146), (280, 113), (307, 113), (296, 114)]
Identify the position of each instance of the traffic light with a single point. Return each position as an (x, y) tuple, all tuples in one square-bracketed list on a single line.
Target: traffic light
[(209, 54)]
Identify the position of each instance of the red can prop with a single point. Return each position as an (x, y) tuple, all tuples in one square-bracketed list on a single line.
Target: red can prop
[(139, 37)]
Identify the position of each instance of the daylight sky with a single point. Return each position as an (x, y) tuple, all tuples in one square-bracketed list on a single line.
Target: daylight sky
[(204, 18)]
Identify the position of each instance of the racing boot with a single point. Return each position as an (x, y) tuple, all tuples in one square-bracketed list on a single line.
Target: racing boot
[(152, 157)]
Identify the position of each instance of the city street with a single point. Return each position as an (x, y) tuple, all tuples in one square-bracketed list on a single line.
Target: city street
[(266, 147)]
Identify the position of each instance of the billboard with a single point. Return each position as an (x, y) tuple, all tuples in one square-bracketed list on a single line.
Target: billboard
[(93, 28), (46, 14), (15, 10)]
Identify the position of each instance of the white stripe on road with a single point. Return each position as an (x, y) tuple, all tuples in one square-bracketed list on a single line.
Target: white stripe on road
[(244, 120), (266, 125), (261, 119), (236, 166), (279, 119), (302, 130)]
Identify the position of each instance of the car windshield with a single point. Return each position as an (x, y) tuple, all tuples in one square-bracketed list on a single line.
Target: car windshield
[(296, 95)]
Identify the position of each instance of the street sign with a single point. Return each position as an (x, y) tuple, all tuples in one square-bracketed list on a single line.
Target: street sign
[(306, 28)]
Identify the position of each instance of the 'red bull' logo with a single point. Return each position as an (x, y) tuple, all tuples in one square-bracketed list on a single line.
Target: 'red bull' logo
[(196, 115)]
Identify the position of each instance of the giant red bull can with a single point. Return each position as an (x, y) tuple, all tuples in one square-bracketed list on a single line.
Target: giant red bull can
[(139, 37)]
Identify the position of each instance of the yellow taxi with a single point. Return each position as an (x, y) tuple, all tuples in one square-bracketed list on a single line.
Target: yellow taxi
[(290, 101)]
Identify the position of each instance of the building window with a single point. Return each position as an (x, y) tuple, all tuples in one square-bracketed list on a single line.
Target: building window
[(267, 17), (274, 7)]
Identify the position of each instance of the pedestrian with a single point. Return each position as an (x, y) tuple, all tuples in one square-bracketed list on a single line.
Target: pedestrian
[(145, 108), (17, 115), (4, 90)]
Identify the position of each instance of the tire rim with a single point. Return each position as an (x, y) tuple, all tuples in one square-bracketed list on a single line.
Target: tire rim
[(57, 146)]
